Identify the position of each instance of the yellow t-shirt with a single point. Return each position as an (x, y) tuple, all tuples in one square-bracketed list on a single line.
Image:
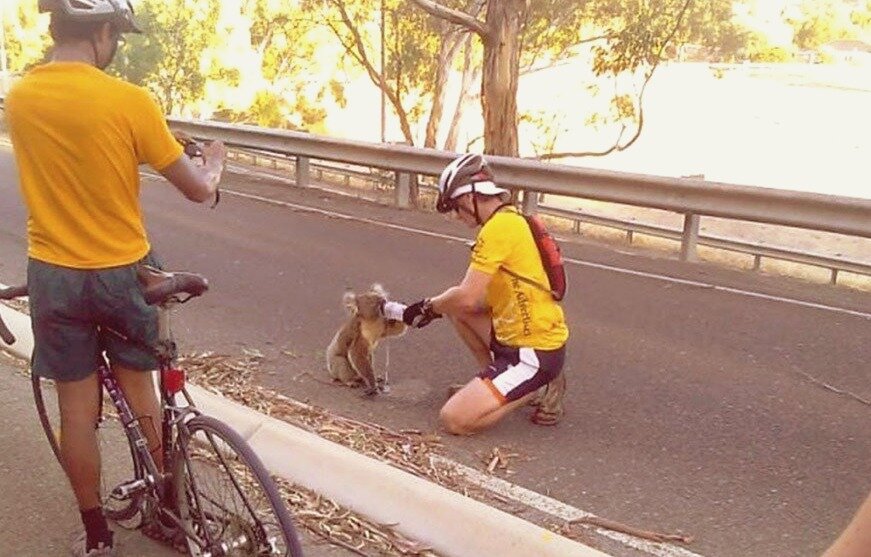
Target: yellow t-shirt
[(79, 136), (523, 315)]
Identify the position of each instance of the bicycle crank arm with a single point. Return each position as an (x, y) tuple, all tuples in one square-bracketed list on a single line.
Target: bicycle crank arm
[(129, 489)]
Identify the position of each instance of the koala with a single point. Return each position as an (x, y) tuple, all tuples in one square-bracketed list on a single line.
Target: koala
[(349, 354)]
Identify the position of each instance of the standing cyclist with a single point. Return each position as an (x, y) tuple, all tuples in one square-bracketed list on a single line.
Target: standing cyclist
[(79, 136), (515, 330)]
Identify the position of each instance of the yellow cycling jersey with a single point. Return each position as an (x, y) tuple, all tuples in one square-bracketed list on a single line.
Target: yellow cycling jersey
[(523, 315), (79, 136)]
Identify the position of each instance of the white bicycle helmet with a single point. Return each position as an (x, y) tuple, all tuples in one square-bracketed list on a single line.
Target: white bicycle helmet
[(468, 173), (117, 12)]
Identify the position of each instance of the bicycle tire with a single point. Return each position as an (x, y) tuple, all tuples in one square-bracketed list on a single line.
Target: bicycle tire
[(114, 509), (210, 450)]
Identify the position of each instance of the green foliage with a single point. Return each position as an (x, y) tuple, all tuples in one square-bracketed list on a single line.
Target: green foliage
[(168, 57), (280, 36), (272, 110), (26, 33), (338, 92), (553, 31), (642, 33), (760, 50), (818, 22), (861, 17), (411, 44)]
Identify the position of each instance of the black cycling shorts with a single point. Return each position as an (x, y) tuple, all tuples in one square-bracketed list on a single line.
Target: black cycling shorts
[(518, 371)]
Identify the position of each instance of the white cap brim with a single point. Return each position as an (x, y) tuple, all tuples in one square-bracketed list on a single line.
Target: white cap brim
[(484, 188)]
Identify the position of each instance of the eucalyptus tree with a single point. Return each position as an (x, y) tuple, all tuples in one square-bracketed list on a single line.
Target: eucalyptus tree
[(816, 22), (861, 16), (284, 53), (625, 36), (167, 57), (26, 34), (418, 54)]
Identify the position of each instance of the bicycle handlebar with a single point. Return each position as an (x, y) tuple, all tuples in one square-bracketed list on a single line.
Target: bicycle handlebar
[(8, 294)]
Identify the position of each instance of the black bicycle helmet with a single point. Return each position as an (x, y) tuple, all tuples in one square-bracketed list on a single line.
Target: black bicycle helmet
[(117, 12)]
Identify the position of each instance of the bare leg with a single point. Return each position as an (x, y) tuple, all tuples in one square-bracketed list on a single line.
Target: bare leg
[(78, 402), (474, 331), (855, 540), (139, 388), (475, 407)]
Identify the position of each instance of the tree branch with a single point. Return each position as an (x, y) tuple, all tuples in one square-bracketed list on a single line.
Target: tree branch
[(616, 146), (358, 51), (454, 16)]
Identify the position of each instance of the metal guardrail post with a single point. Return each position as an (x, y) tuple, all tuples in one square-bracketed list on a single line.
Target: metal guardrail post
[(402, 190), (757, 262), (302, 171), (530, 202), (690, 238)]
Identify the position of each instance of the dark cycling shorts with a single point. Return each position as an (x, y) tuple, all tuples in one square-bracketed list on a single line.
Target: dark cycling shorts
[(516, 372), (68, 305)]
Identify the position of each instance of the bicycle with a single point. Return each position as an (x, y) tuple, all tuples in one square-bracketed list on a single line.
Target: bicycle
[(243, 516)]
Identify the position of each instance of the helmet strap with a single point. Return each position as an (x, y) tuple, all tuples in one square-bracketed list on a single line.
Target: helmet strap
[(475, 205), (96, 54), (111, 54)]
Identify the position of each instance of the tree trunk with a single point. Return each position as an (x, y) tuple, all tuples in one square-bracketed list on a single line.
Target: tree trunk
[(499, 80), (447, 52), (469, 76)]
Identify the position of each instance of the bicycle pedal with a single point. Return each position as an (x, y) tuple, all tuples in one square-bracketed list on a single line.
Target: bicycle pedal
[(127, 490)]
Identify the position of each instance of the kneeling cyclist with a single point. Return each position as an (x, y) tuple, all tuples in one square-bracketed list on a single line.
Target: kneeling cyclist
[(515, 329)]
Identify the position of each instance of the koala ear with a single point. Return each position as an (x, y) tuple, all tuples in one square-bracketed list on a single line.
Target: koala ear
[(378, 289), (349, 300)]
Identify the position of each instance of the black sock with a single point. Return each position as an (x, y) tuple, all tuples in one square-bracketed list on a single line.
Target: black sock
[(96, 528)]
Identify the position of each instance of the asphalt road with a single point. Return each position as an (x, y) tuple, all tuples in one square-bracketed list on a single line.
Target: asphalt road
[(694, 403)]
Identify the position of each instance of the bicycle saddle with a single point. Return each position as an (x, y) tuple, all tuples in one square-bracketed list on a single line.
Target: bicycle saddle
[(159, 286)]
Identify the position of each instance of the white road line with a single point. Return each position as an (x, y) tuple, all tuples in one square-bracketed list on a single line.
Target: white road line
[(738, 291), (654, 276), (559, 509)]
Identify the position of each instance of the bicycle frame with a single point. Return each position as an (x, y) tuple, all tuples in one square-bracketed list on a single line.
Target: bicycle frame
[(173, 416), (153, 494)]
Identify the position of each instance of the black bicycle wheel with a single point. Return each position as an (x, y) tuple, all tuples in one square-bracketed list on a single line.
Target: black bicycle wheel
[(119, 462), (226, 497)]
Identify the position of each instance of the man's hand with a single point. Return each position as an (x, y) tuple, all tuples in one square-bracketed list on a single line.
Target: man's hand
[(419, 314), (182, 137)]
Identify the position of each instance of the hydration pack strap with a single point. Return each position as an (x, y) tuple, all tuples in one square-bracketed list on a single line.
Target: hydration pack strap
[(528, 281)]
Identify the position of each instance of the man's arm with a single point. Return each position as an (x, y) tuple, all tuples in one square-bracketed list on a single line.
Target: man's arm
[(467, 297), (198, 183)]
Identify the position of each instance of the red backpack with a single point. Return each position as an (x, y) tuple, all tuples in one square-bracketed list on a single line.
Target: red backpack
[(551, 260)]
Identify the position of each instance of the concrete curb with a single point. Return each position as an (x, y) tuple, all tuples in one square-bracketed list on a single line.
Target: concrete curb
[(450, 523)]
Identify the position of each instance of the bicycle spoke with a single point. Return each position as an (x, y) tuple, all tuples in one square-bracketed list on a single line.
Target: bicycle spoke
[(222, 493)]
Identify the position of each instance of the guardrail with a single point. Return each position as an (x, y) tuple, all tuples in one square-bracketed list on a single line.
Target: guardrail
[(758, 251), (689, 197), (689, 237), (683, 195)]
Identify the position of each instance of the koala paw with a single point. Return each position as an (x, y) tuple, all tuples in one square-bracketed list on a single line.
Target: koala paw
[(370, 392), (382, 385)]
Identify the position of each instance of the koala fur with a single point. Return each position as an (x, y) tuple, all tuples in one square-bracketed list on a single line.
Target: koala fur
[(349, 354)]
